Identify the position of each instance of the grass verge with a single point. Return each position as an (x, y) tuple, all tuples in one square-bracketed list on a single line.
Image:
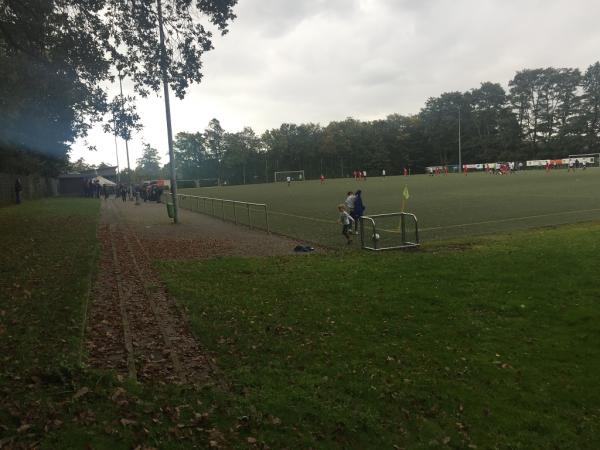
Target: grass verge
[(489, 343), (48, 399), (492, 346)]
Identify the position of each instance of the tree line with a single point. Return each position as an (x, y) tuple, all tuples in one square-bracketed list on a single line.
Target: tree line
[(58, 59), (544, 113)]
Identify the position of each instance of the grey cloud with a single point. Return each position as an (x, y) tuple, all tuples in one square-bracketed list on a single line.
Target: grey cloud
[(323, 60), (274, 18)]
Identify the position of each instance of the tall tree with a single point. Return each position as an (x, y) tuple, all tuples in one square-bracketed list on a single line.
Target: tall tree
[(240, 149), (52, 61), (440, 119), (494, 123), (589, 116), (148, 165), (83, 43), (191, 155), (214, 136)]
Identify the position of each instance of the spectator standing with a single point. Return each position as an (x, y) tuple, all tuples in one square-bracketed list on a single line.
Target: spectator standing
[(349, 202), (18, 190), (359, 209)]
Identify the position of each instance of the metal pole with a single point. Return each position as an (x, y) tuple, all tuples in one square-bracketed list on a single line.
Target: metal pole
[(117, 150), (165, 81), (126, 140), (249, 217), (267, 219), (403, 229), (459, 145)]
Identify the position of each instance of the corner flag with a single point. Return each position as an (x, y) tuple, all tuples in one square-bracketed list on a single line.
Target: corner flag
[(405, 197)]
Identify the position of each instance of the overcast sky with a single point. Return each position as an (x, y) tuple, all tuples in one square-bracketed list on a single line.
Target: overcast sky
[(322, 60)]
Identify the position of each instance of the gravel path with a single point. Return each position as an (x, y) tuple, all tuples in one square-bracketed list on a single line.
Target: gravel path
[(197, 235), (135, 327)]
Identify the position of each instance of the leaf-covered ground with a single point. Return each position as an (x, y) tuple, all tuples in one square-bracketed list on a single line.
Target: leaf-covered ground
[(49, 398), (488, 343), (484, 344)]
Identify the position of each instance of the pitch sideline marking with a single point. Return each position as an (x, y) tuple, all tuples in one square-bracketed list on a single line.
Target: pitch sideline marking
[(513, 219), (486, 222)]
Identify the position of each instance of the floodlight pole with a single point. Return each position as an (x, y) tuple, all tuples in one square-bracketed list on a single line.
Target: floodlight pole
[(117, 150), (165, 81), (459, 145), (126, 140)]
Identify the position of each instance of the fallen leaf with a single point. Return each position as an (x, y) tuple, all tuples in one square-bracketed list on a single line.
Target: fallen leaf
[(126, 422), (80, 393)]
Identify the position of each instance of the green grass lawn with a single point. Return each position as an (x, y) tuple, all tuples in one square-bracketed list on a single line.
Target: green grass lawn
[(48, 398), (446, 206), (47, 256), (473, 343), (494, 346)]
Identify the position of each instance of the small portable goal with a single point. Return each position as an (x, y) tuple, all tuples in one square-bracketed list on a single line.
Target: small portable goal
[(389, 231)]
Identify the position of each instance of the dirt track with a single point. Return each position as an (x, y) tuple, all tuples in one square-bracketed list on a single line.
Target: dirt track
[(135, 328)]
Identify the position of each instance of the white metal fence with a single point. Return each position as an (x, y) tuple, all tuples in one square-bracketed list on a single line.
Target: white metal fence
[(253, 215)]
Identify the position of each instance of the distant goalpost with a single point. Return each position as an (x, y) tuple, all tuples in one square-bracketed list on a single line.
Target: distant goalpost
[(591, 159), (295, 175)]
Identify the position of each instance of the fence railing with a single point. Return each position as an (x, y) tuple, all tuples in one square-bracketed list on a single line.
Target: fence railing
[(241, 213)]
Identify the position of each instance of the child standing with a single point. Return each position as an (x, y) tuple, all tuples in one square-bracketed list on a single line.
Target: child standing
[(346, 221)]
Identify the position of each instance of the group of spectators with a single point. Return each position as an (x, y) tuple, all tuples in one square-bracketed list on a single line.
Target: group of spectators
[(151, 192), (92, 188), (148, 192)]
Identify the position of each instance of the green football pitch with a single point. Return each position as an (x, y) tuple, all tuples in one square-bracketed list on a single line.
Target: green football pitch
[(446, 206)]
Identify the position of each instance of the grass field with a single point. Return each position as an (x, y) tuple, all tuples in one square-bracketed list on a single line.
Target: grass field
[(491, 347), (481, 343), (446, 206)]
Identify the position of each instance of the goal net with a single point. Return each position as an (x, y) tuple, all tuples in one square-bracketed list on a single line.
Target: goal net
[(590, 159), (295, 175)]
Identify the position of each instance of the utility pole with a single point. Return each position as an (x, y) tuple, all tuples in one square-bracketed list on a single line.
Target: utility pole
[(117, 150), (459, 145), (165, 80), (126, 140)]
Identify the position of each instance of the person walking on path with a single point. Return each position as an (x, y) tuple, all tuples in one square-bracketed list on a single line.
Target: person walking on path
[(346, 221), (359, 209), (18, 190)]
